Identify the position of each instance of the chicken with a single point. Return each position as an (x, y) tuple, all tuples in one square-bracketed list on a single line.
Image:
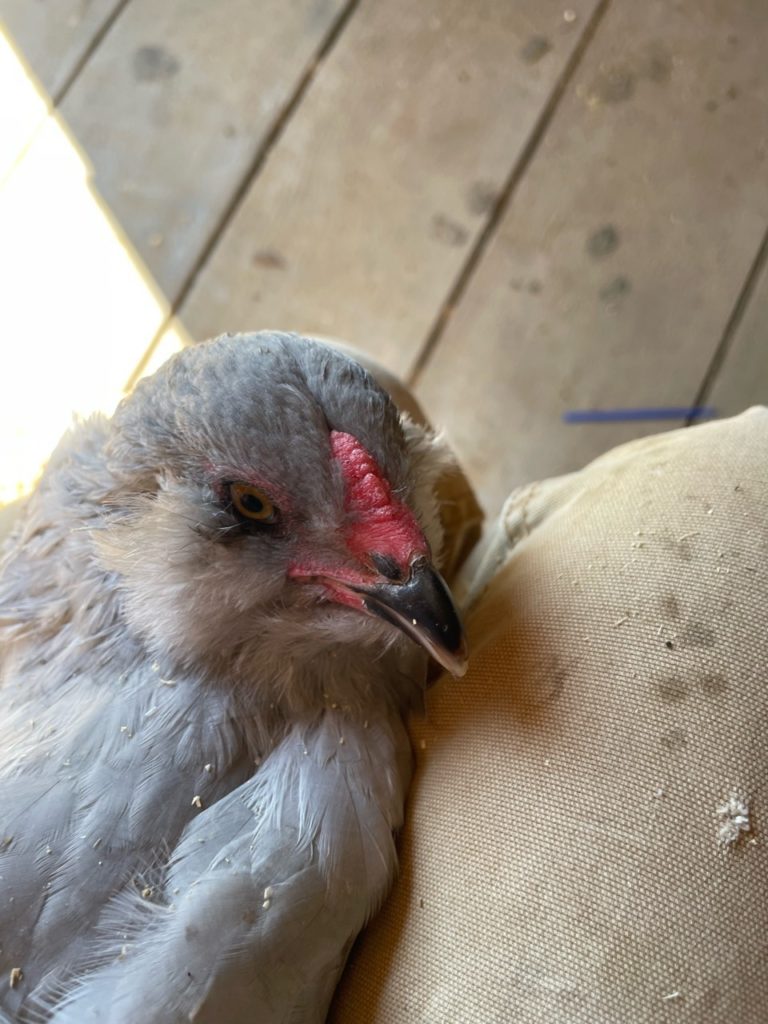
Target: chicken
[(214, 614)]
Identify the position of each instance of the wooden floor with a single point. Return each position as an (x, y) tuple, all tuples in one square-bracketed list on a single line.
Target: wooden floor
[(523, 207)]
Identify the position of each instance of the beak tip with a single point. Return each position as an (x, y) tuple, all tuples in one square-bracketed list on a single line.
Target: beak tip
[(456, 664), (423, 609)]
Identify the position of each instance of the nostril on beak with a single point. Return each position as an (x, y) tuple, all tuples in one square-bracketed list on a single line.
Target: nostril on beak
[(386, 566)]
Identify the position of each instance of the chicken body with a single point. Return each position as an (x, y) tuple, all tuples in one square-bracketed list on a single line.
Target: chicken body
[(204, 672)]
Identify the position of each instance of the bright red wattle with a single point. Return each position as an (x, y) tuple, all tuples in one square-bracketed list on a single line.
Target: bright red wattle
[(378, 521)]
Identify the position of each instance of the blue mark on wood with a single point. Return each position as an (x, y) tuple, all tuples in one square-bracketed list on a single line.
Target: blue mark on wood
[(672, 412)]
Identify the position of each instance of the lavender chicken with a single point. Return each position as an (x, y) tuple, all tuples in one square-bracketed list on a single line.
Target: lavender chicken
[(215, 611)]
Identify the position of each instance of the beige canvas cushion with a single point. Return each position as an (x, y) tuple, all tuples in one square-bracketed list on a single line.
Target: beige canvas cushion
[(584, 838)]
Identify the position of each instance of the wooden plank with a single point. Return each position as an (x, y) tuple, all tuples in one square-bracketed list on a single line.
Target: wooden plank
[(623, 251), (367, 207), (163, 123), (174, 105), (40, 48), (742, 380), (53, 38)]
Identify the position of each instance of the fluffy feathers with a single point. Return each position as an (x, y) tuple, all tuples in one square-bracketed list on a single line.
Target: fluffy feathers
[(203, 762)]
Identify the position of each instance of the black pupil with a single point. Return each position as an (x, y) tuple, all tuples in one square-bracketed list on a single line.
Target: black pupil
[(252, 504)]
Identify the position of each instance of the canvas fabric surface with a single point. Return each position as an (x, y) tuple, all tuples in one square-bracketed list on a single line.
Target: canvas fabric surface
[(585, 834)]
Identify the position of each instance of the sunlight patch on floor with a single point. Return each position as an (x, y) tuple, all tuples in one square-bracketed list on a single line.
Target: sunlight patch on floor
[(23, 113), (78, 310)]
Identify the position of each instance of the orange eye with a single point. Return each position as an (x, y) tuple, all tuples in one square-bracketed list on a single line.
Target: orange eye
[(252, 503)]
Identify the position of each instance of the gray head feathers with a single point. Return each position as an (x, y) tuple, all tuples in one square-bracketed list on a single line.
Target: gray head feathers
[(204, 758)]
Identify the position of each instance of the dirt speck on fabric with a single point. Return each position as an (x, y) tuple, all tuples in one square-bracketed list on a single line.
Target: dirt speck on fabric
[(670, 607), (696, 634), (715, 684), (672, 690), (674, 739), (679, 546)]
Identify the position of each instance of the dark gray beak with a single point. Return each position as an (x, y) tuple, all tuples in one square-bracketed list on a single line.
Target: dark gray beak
[(422, 607)]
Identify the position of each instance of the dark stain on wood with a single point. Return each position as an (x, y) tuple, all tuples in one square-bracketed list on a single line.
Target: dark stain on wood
[(269, 258), (656, 64), (448, 231), (154, 63), (615, 289), (481, 198), (535, 48), (613, 85), (603, 242)]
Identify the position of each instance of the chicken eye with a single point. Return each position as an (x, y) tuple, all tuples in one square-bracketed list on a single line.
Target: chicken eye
[(252, 503)]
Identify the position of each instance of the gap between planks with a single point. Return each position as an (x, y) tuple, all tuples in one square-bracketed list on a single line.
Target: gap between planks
[(252, 171), (505, 196), (731, 327), (60, 94)]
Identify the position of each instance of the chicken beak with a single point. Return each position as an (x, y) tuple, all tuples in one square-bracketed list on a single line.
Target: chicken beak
[(422, 607)]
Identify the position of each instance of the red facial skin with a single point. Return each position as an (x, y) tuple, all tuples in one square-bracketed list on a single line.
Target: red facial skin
[(376, 522)]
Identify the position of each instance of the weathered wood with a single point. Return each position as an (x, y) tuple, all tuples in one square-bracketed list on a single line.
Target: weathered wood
[(172, 108), (163, 123), (365, 212), (40, 47), (618, 262), (54, 37), (743, 377)]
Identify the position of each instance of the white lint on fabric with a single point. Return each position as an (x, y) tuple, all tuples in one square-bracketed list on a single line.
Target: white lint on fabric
[(734, 819)]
